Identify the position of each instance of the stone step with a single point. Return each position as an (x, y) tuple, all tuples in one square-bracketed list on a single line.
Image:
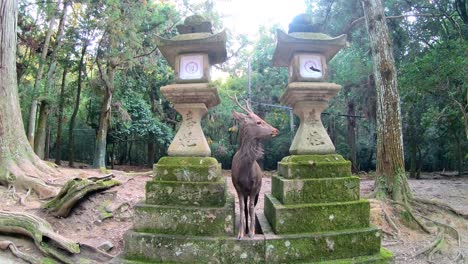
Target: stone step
[(293, 219), (186, 193), (314, 166), (316, 247), (204, 169), (383, 257), (323, 190), (190, 220), (355, 246), (154, 248)]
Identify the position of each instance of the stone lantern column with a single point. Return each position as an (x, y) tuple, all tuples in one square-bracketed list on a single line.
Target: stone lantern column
[(188, 214), (314, 208)]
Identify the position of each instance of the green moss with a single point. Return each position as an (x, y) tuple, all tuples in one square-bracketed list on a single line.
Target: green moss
[(294, 219), (323, 246), (48, 261), (314, 166), (187, 220), (154, 248), (322, 190), (187, 169), (186, 193)]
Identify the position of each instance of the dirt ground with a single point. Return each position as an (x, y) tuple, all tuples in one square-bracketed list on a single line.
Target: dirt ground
[(86, 225)]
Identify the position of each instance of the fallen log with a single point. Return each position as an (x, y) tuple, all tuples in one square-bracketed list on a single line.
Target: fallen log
[(40, 231), (74, 190)]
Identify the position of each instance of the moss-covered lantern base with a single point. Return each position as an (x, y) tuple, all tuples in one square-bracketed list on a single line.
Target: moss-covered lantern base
[(316, 214)]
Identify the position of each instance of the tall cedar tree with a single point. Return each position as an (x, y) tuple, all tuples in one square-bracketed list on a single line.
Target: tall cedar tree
[(391, 178), (19, 166)]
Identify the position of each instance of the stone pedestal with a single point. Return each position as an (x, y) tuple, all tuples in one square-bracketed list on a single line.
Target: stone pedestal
[(192, 102), (186, 216), (316, 214), (308, 100)]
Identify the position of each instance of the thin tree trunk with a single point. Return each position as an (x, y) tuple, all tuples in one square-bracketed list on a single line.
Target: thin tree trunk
[(58, 141), (58, 46), (37, 82), (47, 143), (352, 137), (71, 150), (150, 154), (101, 139), (17, 159), (391, 181), (39, 144), (107, 76)]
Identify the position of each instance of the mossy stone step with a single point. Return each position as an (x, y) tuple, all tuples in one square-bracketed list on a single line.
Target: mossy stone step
[(188, 220), (157, 248), (186, 193), (383, 257), (314, 166), (303, 218), (323, 190), (307, 248), (202, 169)]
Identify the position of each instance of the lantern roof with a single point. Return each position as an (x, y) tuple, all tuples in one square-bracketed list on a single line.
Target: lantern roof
[(195, 37), (307, 42)]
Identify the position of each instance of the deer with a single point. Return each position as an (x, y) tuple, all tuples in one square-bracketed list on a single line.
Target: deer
[(246, 173)]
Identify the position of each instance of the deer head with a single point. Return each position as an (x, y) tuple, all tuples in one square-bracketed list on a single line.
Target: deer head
[(252, 126)]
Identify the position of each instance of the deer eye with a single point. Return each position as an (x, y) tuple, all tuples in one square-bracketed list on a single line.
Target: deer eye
[(259, 122)]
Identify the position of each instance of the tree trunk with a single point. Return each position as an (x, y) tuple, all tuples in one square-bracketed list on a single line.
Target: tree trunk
[(37, 82), (19, 166), (101, 139), (39, 143), (58, 141), (58, 46), (391, 180), (150, 154), (71, 154), (352, 137), (104, 119)]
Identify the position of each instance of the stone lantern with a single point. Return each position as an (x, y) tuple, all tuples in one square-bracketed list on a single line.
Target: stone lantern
[(314, 208), (188, 212), (191, 54), (307, 55)]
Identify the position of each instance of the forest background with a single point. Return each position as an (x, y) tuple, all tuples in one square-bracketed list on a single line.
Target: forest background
[(89, 75)]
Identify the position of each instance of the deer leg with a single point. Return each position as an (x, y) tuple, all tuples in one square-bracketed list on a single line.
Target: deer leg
[(240, 235), (246, 214), (252, 216)]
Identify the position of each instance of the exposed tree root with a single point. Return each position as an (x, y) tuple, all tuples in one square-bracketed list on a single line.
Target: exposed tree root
[(389, 220), (25, 175), (432, 246), (409, 210), (74, 190), (440, 205), (6, 244), (455, 233), (40, 231)]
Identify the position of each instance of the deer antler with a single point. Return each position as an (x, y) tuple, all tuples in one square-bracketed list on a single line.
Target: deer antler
[(246, 109)]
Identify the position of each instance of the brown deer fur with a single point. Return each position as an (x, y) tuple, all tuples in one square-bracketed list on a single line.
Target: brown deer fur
[(246, 173)]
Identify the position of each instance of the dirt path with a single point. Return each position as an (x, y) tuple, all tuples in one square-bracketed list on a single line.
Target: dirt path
[(85, 224)]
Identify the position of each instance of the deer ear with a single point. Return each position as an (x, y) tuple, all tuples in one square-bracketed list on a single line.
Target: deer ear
[(238, 116)]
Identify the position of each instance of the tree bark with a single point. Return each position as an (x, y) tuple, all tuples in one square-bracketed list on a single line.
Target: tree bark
[(37, 82), (352, 136), (40, 139), (19, 166), (107, 75), (391, 181), (101, 138), (58, 141), (71, 154)]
